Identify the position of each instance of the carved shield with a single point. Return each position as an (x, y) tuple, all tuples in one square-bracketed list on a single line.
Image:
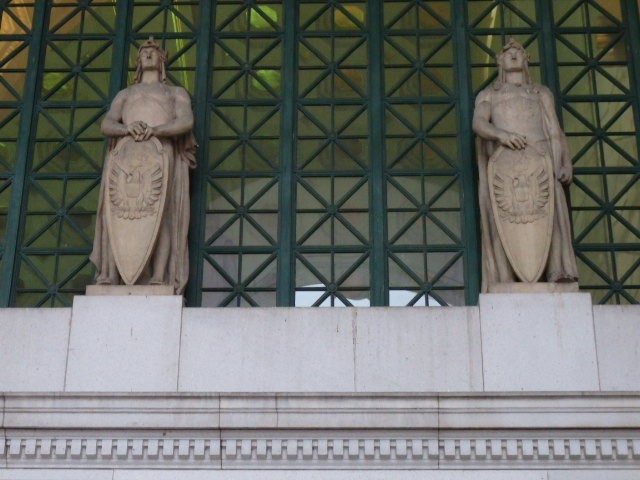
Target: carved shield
[(137, 179), (522, 201)]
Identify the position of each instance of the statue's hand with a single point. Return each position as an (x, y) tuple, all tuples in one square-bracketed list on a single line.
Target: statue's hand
[(137, 130), (148, 132), (565, 175), (514, 141)]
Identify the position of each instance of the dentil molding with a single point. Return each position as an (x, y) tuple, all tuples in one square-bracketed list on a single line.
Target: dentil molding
[(319, 450)]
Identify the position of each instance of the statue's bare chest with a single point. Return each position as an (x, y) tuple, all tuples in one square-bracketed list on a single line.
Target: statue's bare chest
[(153, 104), (517, 111)]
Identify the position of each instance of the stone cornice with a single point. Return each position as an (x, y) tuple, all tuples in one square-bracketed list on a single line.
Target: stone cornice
[(332, 431), (311, 411)]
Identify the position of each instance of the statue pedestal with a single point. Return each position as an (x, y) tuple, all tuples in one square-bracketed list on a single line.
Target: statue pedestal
[(124, 343), (538, 287), (538, 342), (126, 290)]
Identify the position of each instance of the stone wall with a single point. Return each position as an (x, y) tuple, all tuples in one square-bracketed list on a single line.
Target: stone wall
[(538, 386)]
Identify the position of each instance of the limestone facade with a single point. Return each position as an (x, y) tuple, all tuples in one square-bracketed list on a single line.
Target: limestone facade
[(524, 386)]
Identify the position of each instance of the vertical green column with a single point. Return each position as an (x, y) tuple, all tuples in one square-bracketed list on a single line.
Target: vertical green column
[(120, 44), (548, 60), (377, 192), (15, 217), (199, 175), (469, 171), (285, 294), (632, 15)]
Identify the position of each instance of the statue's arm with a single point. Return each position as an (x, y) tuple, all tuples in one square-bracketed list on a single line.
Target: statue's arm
[(181, 123), (483, 127), (112, 125)]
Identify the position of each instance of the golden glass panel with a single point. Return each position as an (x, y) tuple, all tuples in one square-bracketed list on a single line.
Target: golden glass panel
[(344, 17), (607, 13), (404, 16), (7, 154), (624, 155), (490, 14), (9, 123), (263, 17), (13, 63), (96, 19), (153, 19), (13, 54), (5, 197), (17, 18), (349, 17)]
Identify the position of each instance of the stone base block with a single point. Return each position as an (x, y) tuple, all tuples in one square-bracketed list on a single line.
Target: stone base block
[(538, 287), (538, 342), (123, 290), (124, 344)]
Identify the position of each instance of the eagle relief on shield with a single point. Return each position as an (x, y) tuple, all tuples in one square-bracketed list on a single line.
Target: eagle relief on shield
[(521, 189), (137, 188)]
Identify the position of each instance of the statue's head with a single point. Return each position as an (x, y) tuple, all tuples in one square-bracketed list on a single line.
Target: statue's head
[(512, 58), (151, 56)]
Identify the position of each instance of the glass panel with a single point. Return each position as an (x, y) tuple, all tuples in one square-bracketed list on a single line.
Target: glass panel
[(5, 195), (174, 26), (68, 151), (241, 229), (17, 18), (15, 30), (15, 25), (332, 162), (593, 73), (422, 182)]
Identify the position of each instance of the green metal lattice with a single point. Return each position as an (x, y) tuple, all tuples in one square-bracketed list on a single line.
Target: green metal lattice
[(335, 163)]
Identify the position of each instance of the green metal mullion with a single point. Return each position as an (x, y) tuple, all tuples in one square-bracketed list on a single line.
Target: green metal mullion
[(24, 150), (119, 63), (379, 277), (469, 171), (285, 292), (632, 15), (200, 174)]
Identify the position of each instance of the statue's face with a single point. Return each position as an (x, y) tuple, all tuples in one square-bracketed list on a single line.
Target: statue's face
[(150, 59), (513, 60)]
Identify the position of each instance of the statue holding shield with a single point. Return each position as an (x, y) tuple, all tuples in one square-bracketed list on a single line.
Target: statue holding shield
[(143, 209), (523, 163)]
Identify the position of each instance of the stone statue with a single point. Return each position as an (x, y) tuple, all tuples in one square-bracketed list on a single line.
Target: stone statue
[(523, 163), (143, 209)]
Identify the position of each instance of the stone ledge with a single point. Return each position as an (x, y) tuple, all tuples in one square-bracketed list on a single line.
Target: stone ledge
[(129, 290), (510, 343), (313, 411)]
